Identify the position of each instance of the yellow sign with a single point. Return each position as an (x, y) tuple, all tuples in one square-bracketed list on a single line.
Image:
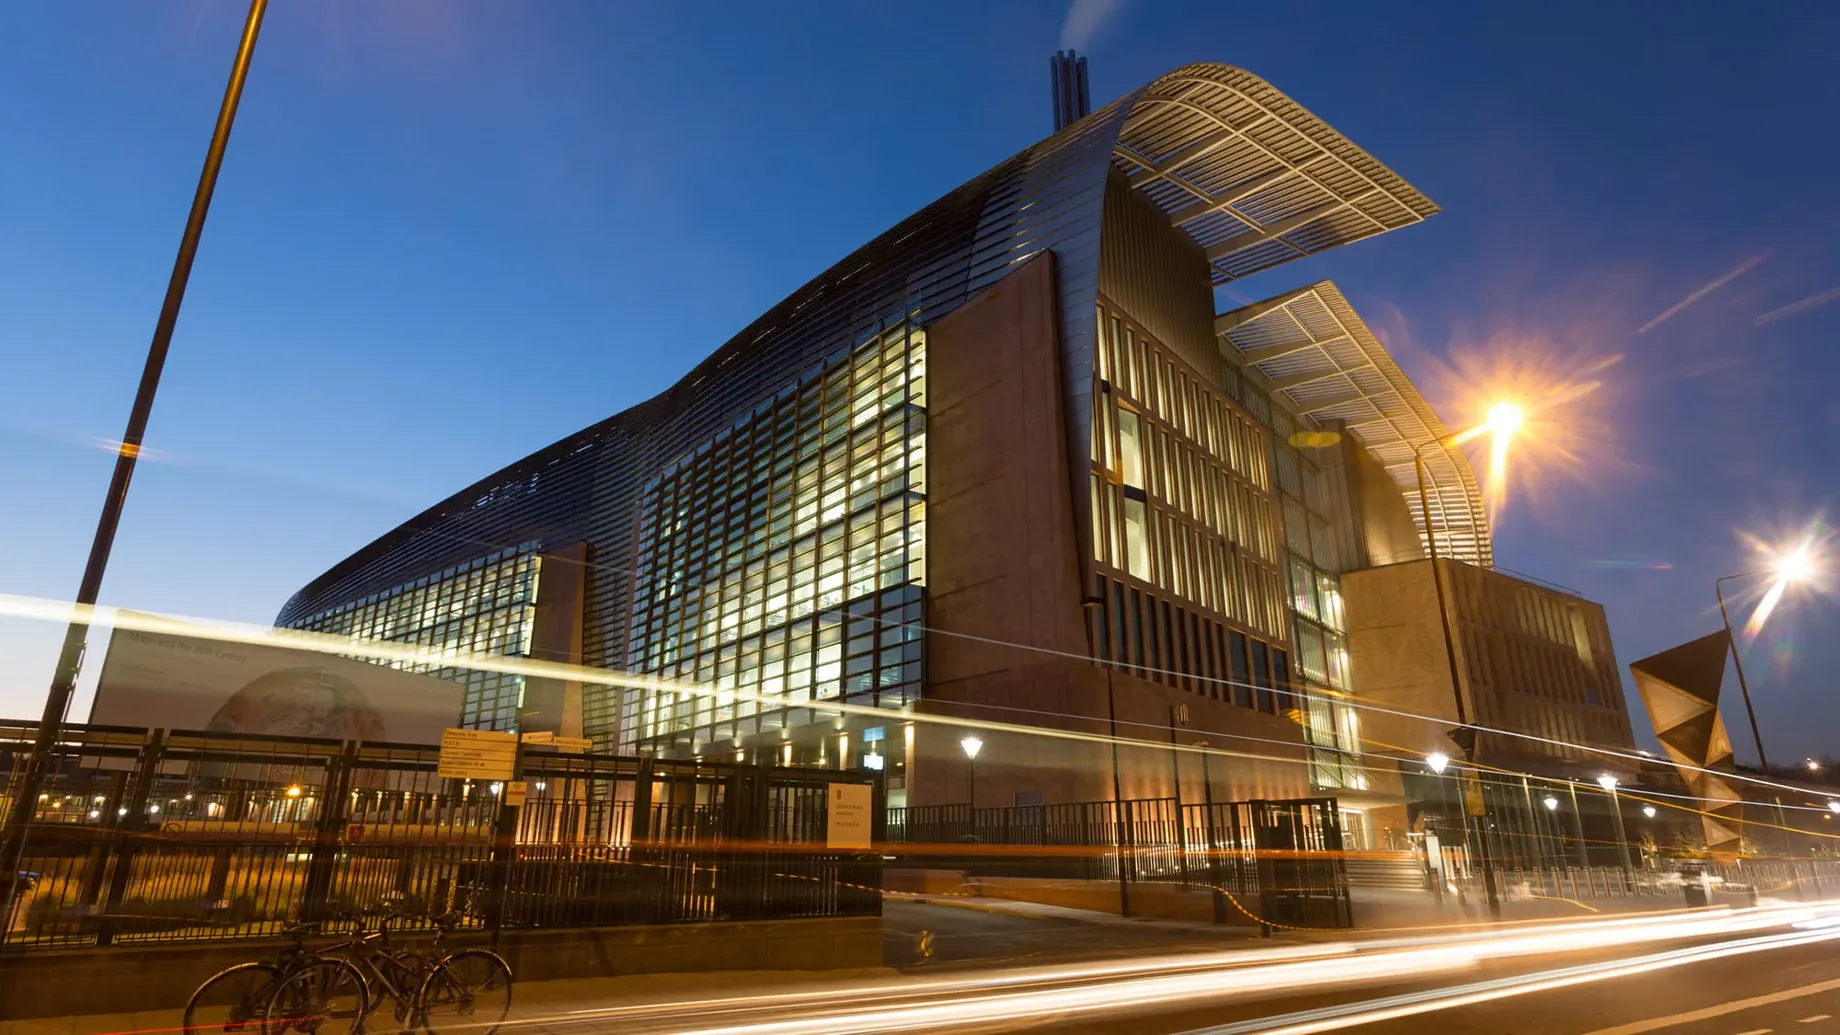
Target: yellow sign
[(566, 745), (477, 755), (847, 820), (516, 791)]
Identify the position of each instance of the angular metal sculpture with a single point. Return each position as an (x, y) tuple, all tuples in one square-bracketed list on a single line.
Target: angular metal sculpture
[(1680, 689)]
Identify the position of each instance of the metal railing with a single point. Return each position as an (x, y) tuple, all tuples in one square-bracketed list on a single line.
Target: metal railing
[(161, 836), (1283, 860)]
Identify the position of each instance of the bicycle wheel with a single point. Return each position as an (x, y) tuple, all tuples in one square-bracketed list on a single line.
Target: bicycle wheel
[(232, 1000), (468, 991), (321, 997)]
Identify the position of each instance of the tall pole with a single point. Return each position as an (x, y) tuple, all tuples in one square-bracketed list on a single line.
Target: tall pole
[(1175, 763), (1456, 685), (70, 658), (1118, 821), (1744, 687), (1622, 837), (1111, 710)]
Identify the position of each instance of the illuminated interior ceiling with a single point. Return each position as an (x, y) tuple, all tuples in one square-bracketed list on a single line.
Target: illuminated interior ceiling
[(1252, 176), (1327, 365)]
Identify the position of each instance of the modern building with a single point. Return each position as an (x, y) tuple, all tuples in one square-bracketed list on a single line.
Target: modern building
[(1534, 662), (1005, 462)]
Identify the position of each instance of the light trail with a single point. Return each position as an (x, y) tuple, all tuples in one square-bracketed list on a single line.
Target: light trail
[(1037, 994), (1393, 1007), (50, 610)]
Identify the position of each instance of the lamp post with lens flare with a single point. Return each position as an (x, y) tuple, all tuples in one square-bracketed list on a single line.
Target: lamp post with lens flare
[(1790, 568), (1503, 421)]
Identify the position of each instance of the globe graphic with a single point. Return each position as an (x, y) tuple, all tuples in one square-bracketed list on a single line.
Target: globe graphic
[(300, 702)]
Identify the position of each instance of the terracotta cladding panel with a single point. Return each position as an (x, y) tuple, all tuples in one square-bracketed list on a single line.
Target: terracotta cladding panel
[(1002, 553)]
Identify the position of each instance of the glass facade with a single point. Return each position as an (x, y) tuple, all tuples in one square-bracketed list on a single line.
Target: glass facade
[(483, 606), (1182, 526), (785, 558), (1319, 546)]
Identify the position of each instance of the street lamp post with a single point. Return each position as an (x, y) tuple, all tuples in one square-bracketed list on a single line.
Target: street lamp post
[(1731, 639), (971, 745), (1608, 783), (1744, 686), (1505, 420), (1111, 714), (1437, 762), (70, 657)]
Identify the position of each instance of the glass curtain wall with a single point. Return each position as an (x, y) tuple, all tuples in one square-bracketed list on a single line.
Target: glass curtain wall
[(1319, 546), (483, 606), (782, 562)]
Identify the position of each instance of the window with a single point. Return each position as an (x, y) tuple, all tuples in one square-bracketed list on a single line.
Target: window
[(1130, 448), (1136, 539), (785, 556)]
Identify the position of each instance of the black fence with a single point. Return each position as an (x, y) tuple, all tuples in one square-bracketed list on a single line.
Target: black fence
[(157, 836), (1281, 860)]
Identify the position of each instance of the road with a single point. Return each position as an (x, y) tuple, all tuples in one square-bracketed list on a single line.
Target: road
[(962, 936), (1726, 972)]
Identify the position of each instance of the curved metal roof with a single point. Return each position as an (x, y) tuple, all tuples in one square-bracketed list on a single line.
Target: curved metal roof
[(1328, 365), (1250, 175)]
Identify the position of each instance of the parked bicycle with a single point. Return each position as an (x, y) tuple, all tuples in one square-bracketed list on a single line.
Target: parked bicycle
[(237, 999), (470, 988)]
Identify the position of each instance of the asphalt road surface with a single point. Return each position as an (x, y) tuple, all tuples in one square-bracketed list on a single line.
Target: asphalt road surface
[(1720, 972), (1791, 991), (957, 936)]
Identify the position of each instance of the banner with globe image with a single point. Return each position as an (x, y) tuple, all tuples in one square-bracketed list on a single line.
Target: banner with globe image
[(197, 683)]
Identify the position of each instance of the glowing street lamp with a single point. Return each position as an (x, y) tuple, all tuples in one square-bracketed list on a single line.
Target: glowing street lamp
[(1504, 419), (1832, 805), (1608, 782), (1649, 811), (1438, 761), (1551, 803), (1789, 567)]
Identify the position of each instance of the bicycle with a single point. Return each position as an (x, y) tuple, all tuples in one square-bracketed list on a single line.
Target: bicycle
[(237, 998), (470, 987)]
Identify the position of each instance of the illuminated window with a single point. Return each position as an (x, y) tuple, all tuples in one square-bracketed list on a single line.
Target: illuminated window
[(484, 606), (783, 560), (1130, 449)]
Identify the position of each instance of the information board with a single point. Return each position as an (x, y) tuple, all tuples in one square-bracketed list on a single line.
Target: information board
[(477, 754), (847, 819)]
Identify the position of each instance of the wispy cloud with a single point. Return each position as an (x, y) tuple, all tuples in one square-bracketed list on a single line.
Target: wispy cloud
[(1084, 18), (1798, 308), (1733, 274)]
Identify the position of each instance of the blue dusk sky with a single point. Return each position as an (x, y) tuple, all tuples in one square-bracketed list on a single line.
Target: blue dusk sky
[(448, 234)]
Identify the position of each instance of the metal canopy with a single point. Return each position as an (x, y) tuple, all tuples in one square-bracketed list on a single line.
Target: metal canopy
[(1325, 363), (1252, 176)]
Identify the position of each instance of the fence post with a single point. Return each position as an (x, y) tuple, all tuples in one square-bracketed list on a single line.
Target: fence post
[(640, 828), (131, 827), (316, 894), (104, 849)]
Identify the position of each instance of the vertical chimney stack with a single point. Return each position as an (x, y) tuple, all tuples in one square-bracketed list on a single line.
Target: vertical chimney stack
[(1072, 98)]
